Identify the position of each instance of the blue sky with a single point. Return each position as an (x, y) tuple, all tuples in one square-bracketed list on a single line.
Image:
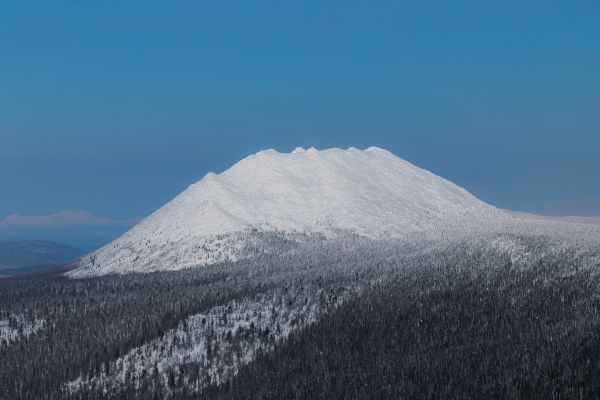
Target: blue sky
[(114, 107)]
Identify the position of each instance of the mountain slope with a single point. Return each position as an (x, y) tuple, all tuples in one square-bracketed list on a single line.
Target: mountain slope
[(367, 192)]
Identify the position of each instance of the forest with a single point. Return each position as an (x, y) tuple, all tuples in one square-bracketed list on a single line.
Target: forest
[(494, 316)]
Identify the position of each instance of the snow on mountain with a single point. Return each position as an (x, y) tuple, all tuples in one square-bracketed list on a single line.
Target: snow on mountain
[(368, 192)]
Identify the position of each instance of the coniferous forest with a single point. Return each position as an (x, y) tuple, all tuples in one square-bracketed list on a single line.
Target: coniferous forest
[(498, 316)]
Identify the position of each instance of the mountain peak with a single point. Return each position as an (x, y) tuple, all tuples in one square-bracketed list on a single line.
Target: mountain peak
[(302, 150), (367, 192)]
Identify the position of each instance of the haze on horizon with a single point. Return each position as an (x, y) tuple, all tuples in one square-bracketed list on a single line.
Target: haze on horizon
[(112, 109)]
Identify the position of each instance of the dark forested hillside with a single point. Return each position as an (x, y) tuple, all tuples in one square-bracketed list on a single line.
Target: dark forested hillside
[(56, 330), (507, 334), (504, 316)]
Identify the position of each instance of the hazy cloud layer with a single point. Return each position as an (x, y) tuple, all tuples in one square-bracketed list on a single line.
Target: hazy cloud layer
[(63, 218)]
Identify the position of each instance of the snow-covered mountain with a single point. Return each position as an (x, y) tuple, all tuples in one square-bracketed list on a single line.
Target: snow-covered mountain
[(368, 192)]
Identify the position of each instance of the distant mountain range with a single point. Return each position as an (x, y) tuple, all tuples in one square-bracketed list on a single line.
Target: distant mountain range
[(28, 256)]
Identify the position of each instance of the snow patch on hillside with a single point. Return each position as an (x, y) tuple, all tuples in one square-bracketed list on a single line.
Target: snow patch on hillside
[(211, 347), (17, 327)]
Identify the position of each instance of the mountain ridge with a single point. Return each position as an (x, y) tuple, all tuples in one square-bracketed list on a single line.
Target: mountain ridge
[(367, 192)]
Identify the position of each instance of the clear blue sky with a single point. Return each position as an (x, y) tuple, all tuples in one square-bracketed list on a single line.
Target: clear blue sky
[(113, 107)]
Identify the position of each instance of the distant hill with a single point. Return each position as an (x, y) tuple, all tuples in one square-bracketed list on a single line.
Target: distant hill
[(27, 256), (538, 217)]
